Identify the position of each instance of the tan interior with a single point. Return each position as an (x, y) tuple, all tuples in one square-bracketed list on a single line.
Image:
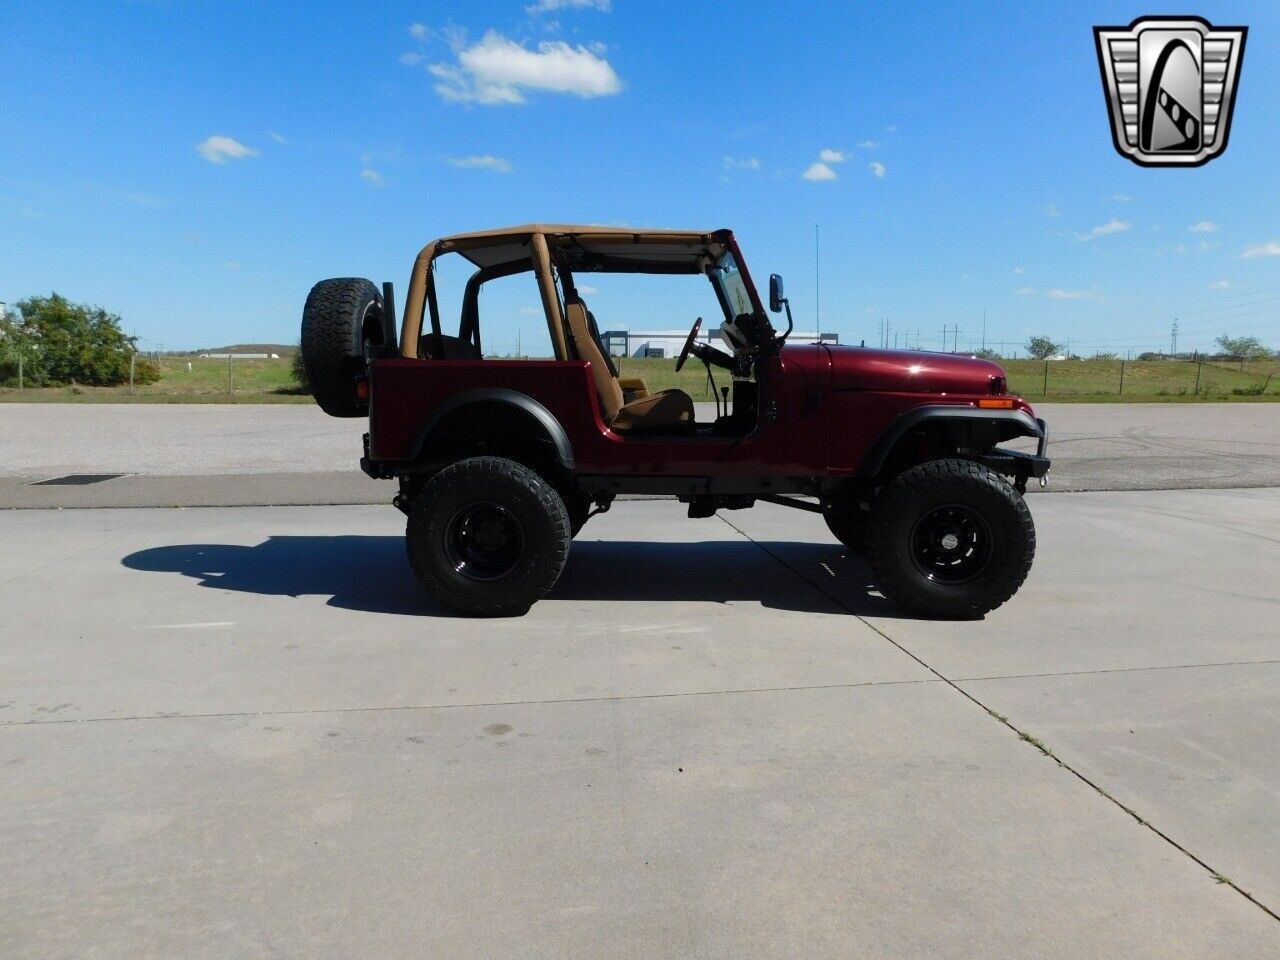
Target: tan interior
[(666, 410)]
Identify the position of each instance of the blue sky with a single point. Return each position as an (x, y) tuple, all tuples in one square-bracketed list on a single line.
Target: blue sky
[(968, 147)]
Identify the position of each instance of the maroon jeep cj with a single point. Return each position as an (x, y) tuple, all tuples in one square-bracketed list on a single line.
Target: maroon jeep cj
[(501, 462)]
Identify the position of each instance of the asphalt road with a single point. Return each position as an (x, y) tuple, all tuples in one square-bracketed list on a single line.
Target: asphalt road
[(193, 455), (247, 732)]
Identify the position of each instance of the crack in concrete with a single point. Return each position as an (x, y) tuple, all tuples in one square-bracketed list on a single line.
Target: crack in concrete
[(617, 698), (1105, 670), (1022, 734)]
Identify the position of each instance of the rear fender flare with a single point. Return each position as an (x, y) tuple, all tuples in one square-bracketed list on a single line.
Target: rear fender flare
[(524, 403), (1020, 423)]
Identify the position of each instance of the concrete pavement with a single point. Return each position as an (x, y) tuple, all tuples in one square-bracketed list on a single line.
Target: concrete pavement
[(247, 731), (210, 455)]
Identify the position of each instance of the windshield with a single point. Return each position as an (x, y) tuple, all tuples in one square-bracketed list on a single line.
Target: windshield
[(733, 289)]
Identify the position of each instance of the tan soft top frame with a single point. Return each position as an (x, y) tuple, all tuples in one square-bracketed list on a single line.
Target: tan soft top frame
[(583, 247)]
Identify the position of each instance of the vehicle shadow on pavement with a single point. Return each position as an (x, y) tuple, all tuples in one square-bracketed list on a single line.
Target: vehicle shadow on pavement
[(802, 577), (371, 573), (356, 572)]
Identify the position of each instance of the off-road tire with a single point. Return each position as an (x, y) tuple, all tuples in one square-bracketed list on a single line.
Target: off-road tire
[(907, 509), (480, 483), (338, 316), (847, 522)]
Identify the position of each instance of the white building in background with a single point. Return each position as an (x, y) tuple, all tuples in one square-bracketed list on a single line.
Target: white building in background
[(666, 344)]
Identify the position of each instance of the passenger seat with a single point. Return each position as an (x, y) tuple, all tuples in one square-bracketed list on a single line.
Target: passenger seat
[(669, 411)]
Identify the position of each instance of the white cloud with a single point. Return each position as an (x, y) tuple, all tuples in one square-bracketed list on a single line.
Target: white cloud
[(1122, 197), (1220, 285), (819, 171), (1106, 229), (1057, 293), (1271, 249), (419, 31), (1025, 291), (1204, 226), (583, 288), (371, 176), (486, 161), (219, 149), (741, 163), (277, 137), (877, 168), (1051, 210), (869, 145), (412, 59), (232, 264), (1019, 270), (831, 156), (499, 71), (547, 6)]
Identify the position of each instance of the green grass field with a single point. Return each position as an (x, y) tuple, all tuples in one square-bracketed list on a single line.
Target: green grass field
[(1098, 381)]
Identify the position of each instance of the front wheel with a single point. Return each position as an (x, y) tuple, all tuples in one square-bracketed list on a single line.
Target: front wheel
[(487, 537), (950, 538)]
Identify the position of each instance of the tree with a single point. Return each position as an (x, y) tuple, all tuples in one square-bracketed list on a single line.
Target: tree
[(986, 353), (1041, 348), (64, 341), (1243, 348)]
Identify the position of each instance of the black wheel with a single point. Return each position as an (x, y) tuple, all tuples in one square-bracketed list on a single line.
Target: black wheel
[(341, 323), (488, 537), (847, 521), (950, 538)]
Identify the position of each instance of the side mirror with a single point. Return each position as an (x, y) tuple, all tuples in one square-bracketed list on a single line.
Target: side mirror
[(776, 299)]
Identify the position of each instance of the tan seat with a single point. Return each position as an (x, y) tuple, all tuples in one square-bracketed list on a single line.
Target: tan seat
[(669, 410)]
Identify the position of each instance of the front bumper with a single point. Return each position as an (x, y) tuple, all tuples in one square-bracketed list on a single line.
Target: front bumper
[(1022, 466)]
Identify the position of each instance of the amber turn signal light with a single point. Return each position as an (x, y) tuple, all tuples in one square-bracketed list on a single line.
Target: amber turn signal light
[(996, 403)]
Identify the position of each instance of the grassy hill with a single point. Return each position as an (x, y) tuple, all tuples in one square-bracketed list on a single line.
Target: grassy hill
[(190, 379)]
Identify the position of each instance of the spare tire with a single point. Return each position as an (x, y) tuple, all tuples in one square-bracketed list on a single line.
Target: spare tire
[(341, 322)]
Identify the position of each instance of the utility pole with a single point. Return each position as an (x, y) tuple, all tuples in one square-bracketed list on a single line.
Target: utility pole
[(984, 328), (944, 338), (1173, 339), (817, 286)]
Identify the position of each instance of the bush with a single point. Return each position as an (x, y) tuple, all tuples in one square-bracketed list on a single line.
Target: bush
[(65, 342), (299, 370)]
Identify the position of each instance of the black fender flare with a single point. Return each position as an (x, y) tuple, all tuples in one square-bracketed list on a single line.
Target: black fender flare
[(1023, 423), (505, 396)]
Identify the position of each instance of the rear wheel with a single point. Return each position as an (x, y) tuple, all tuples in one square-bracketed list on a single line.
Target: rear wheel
[(950, 538), (487, 537), (341, 324)]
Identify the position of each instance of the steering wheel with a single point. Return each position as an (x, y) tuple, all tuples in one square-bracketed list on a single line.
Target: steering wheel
[(688, 344)]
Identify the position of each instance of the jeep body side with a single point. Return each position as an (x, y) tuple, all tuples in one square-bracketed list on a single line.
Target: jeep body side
[(837, 424)]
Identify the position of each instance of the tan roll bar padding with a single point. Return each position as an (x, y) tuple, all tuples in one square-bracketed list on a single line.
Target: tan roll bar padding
[(415, 302), (550, 300)]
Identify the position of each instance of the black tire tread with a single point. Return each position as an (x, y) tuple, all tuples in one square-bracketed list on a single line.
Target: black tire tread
[(897, 497), (467, 472), (330, 342)]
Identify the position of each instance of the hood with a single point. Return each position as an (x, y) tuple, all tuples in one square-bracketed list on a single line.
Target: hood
[(909, 371)]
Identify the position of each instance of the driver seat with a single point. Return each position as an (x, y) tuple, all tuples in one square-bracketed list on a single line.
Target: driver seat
[(669, 411)]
